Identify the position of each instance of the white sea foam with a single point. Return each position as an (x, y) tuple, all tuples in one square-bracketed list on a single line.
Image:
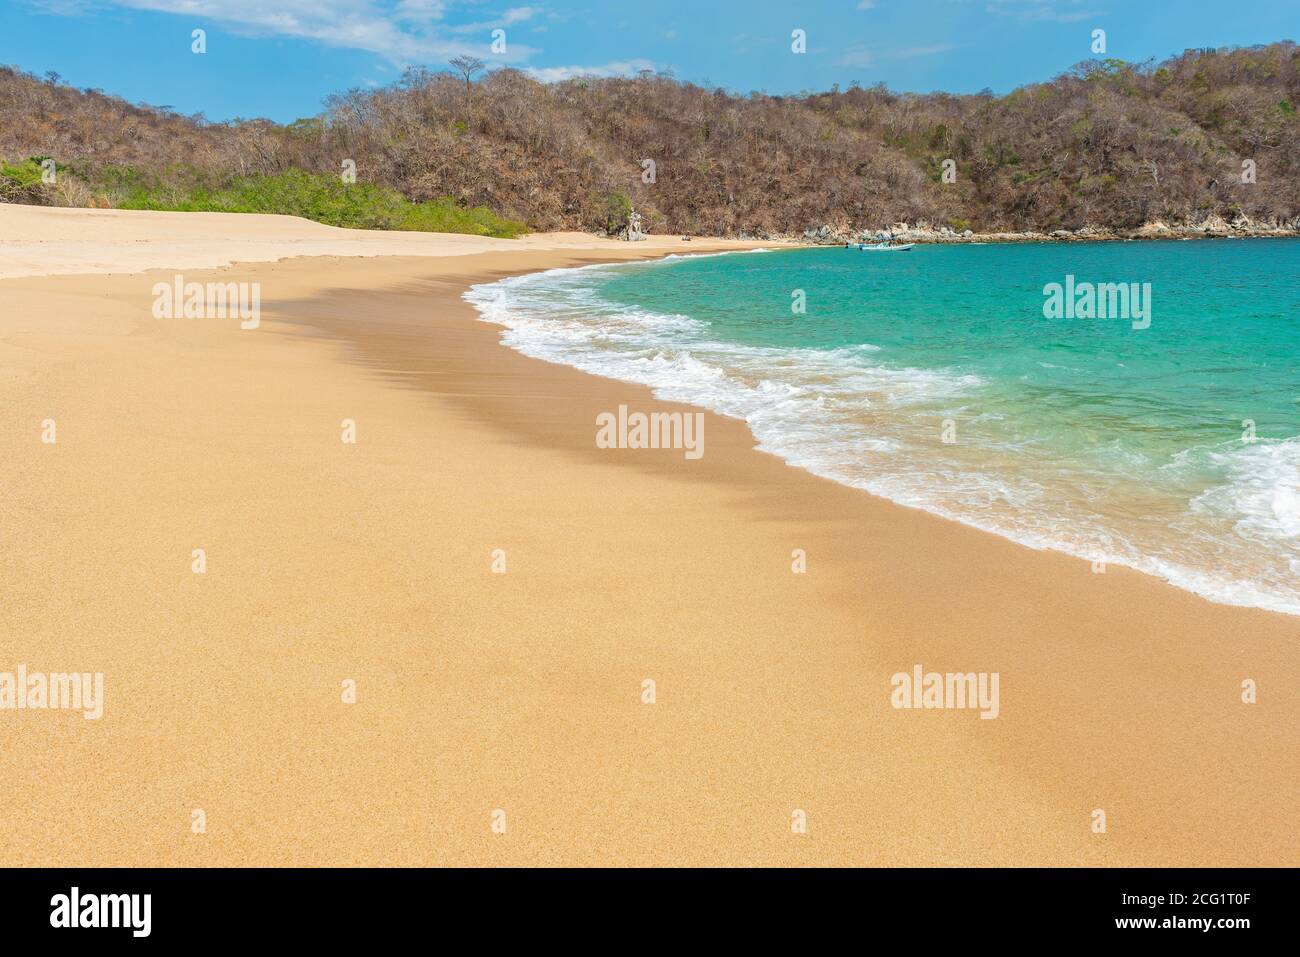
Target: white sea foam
[(1263, 493), (834, 412)]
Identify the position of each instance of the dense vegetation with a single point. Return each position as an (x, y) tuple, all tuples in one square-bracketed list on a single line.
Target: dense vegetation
[(326, 199), (1107, 144)]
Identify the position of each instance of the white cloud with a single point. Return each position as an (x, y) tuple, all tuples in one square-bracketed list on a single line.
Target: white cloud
[(401, 31), (510, 17), (520, 14), (420, 11), (555, 74)]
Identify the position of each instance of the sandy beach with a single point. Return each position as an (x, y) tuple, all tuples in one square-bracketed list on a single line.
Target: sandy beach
[(477, 691)]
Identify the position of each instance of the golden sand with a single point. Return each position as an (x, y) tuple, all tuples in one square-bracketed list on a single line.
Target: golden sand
[(476, 691)]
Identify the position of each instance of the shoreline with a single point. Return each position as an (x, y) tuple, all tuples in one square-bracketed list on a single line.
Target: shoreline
[(59, 240), (742, 459), (1184, 579), (521, 691), (923, 235)]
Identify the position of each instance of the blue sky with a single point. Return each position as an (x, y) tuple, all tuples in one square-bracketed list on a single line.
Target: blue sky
[(280, 58)]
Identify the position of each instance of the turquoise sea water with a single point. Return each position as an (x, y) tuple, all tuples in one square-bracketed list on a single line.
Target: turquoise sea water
[(932, 378)]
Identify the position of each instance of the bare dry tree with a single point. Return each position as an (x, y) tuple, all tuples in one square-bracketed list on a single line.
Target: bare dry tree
[(466, 66)]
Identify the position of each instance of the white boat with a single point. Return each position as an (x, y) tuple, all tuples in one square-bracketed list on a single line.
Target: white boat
[(884, 247)]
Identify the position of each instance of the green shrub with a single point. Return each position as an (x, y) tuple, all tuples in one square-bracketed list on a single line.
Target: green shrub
[(618, 211), (321, 198), (21, 182)]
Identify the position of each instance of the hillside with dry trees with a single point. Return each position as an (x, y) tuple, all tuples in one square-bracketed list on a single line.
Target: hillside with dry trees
[(1107, 144)]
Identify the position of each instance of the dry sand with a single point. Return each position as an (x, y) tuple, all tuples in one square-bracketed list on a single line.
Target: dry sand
[(43, 241), (522, 691)]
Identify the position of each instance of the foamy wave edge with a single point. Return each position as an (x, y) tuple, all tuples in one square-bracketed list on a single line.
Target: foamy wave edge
[(494, 304)]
